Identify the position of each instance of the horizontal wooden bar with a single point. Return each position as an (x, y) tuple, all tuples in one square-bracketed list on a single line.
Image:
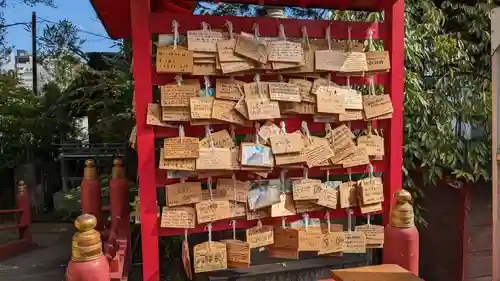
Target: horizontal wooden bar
[(11, 211), (9, 249), (14, 226), (163, 79), (292, 124), (324, 4), (269, 27), (243, 223), (378, 167)]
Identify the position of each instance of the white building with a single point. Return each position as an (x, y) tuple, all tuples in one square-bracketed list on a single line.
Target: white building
[(22, 64)]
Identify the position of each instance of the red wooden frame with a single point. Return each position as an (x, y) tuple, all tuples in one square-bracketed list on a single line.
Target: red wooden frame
[(23, 224), (139, 20)]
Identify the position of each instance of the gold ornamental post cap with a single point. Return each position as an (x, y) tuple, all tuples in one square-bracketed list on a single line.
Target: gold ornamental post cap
[(118, 172), (402, 215), (87, 244), (90, 171), (21, 187)]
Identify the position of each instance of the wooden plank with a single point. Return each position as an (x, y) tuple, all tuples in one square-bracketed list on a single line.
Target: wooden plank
[(384, 272), (480, 264), (480, 238)]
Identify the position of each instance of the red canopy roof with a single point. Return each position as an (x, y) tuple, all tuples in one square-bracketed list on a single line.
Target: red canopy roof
[(115, 14)]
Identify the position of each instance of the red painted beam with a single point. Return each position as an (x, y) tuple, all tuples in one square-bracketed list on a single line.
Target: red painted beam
[(159, 79), (11, 211), (162, 23), (378, 167), (8, 250), (14, 226), (243, 223)]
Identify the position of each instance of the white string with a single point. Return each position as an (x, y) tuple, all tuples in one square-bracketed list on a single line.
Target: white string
[(257, 129), (283, 127), (175, 30), (349, 219), (280, 78), (329, 78), (328, 36), (305, 36), (181, 132), (256, 32), (206, 79), (209, 228), (306, 221), (282, 180), (305, 129), (233, 224), (185, 234), (372, 85), (283, 222), (370, 40), (178, 79), (282, 32), (208, 133), (229, 25), (349, 40), (368, 219), (256, 78), (205, 28), (348, 82), (305, 172), (183, 180), (327, 174), (327, 217), (209, 184), (259, 224), (232, 129), (370, 171)]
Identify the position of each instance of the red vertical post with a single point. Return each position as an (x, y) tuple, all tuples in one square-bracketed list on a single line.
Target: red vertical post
[(24, 218), (394, 43), (91, 193), (142, 62), (118, 195)]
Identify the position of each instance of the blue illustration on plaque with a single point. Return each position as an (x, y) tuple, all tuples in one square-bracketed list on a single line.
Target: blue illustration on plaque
[(168, 39), (257, 155), (263, 195), (211, 92), (333, 184)]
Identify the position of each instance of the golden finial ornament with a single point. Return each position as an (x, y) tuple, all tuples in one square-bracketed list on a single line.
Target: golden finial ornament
[(118, 171), (90, 171), (402, 215), (21, 187), (86, 244)]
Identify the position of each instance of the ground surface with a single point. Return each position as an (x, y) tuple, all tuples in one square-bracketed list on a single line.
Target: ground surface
[(47, 261)]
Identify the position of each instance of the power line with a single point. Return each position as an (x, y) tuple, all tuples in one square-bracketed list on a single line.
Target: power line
[(79, 30)]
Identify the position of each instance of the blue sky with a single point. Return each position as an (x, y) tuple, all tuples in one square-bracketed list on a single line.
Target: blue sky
[(80, 12)]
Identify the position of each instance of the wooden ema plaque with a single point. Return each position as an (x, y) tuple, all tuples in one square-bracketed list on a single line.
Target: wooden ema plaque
[(228, 89), (304, 87), (348, 194), (374, 235), (307, 189), (236, 191), (178, 217), (178, 95), (282, 91), (238, 253), (225, 51), (213, 210), (354, 242), (372, 144), (289, 143), (186, 260), (201, 107), (260, 236), (286, 244), (378, 61), (328, 196), (203, 40), (331, 242), (183, 193), (181, 148), (330, 100), (209, 256), (377, 105), (177, 164), (267, 130), (358, 158), (286, 206), (175, 114), (214, 159), (238, 209), (371, 190), (251, 48), (174, 60), (342, 142), (220, 139), (317, 152), (262, 109)]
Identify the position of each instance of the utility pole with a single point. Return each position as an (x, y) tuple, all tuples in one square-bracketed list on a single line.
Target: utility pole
[(33, 50)]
